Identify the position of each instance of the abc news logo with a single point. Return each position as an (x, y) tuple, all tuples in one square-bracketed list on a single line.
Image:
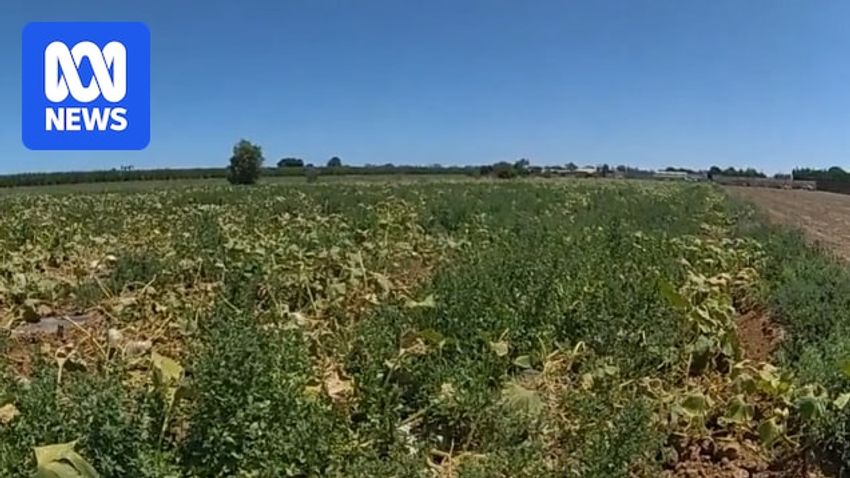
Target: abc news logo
[(62, 78), (86, 86)]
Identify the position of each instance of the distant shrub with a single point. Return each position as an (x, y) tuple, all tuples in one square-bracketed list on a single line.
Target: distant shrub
[(505, 170), (245, 164)]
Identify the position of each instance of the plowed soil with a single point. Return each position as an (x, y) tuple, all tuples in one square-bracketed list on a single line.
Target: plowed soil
[(823, 217)]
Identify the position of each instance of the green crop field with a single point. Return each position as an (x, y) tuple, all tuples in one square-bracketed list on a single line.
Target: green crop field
[(426, 329)]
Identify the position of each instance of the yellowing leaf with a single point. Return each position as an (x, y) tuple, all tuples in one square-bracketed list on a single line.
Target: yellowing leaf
[(523, 361), (739, 411), (428, 302), (500, 348), (383, 281), (8, 413), (168, 374), (313, 391), (586, 381), (841, 401), (696, 404), (61, 461), (522, 399), (338, 389), (169, 370), (769, 431)]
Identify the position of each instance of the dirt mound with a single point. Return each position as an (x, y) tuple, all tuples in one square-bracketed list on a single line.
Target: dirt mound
[(80, 333), (758, 335), (732, 458)]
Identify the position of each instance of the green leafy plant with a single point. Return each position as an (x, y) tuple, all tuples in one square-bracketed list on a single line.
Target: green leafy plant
[(245, 164)]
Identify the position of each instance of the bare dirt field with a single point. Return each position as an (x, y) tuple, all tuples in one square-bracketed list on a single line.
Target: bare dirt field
[(823, 217)]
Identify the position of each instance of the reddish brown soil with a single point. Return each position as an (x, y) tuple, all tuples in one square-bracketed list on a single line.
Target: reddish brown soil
[(758, 335), (81, 339), (823, 217), (723, 458)]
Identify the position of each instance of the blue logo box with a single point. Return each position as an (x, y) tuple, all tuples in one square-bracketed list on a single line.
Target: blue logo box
[(86, 86)]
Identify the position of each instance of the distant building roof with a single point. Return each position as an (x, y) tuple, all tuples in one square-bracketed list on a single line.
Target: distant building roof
[(671, 174)]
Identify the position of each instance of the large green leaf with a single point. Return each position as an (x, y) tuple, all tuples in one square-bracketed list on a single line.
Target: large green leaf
[(811, 407), (739, 411), (769, 431), (841, 401), (500, 348), (168, 373), (169, 370), (523, 361), (522, 399), (61, 461), (428, 303), (696, 404)]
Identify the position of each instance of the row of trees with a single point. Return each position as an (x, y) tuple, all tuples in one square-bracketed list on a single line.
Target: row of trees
[(334, 162), (246, 166), (247, 160), (523, 168), (740, 173), (834, 173)]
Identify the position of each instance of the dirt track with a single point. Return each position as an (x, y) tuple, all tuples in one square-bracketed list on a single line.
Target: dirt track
[(823, 217)]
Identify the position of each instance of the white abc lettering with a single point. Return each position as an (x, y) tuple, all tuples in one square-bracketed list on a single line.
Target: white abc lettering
[(57, 86), (93, 119)]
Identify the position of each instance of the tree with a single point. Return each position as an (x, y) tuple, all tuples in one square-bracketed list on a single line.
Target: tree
[(245, 164), (334, 162), (522, 167), (836, 173), (732, 172), (290, 163), (571, 166), (504, 170)]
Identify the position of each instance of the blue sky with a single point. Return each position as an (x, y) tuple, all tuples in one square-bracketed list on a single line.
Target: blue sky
[(762, 83)]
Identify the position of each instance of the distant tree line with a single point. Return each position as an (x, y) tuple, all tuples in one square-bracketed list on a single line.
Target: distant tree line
[(246, 167), (290, 163), (506, 170), (631, 172), (739, 173), (115, 175), (523, 167), (834, 173)]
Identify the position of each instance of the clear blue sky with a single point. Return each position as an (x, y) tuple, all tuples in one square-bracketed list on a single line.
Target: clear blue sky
[(762, 83)]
